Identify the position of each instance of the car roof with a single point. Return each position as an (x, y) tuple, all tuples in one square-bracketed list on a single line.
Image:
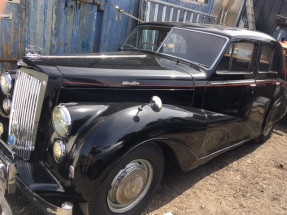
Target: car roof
[(230, 32)]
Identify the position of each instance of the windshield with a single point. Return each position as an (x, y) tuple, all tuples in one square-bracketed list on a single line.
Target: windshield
[(196, 47), (148, 39), (280, 33)]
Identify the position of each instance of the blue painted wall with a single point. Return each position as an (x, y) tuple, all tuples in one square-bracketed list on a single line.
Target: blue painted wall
[(64, 26), (12, 35), (117, 26), (61, 26)]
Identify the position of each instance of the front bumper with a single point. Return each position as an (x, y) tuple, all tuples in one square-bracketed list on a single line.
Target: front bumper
[(9, 180)]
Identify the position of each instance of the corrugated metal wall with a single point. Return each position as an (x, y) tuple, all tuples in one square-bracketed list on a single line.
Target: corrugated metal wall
[(160, 11), (72, 26), (61, 26), (115, 26), (265, 11), (206, 8), (12, 36), (232, 8)]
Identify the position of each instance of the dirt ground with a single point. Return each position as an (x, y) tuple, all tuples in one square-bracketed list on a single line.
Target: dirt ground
[(251, 179)]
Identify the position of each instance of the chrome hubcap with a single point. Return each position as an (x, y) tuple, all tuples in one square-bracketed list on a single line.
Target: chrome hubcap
[(130, 185)]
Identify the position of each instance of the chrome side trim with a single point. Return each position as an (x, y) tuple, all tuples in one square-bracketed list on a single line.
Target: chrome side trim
[(243, 82), (7, 175), (95, 56)]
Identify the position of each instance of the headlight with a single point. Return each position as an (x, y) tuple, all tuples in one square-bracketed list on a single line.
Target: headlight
[(59, 150), (6, 83), (7, 105), (61, 120)]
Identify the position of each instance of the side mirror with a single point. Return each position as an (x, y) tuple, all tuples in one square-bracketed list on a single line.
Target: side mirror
[(156, 104)]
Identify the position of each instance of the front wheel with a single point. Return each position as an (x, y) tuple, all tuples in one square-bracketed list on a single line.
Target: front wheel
[(130, 185)]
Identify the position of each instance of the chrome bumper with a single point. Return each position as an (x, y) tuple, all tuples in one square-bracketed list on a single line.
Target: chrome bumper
[(9, 181), (7, 170)]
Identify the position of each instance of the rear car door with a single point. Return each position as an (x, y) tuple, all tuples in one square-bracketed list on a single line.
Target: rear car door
[(267, 82), (229, 97)]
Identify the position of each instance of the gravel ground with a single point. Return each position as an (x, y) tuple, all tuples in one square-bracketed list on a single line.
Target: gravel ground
[(251, 179)]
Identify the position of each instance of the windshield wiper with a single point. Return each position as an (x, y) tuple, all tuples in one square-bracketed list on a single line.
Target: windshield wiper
[(197, 64), (190, 63)]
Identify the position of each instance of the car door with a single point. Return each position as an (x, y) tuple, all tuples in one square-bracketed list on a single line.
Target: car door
[(266, 83), (229, 97)]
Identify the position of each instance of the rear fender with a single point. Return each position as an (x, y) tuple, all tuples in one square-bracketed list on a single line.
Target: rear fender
[(277, 107)]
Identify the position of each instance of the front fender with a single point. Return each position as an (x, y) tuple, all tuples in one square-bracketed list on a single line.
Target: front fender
[(116, 132)]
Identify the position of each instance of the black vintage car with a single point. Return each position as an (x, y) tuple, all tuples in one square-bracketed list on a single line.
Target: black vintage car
[(96, 129)]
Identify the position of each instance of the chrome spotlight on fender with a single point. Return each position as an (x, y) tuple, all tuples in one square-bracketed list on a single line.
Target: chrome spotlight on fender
[(155, 104)]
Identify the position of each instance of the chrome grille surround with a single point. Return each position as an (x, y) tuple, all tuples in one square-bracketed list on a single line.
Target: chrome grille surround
[(28, 96)]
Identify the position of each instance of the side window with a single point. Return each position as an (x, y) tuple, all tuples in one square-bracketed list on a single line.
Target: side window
[(268, 60), (237, 59)]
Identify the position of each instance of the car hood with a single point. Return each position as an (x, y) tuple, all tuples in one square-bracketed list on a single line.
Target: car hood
[(118, 69)]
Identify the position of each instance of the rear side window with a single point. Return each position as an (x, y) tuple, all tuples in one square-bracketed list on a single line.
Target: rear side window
[(268, 60), (237, 59)]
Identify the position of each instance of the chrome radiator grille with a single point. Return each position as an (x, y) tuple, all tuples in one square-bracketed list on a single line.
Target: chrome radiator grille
[(25, 112)]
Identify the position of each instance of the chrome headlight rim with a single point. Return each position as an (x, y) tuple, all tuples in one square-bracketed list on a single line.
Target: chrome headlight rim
[(62, 153), (63, 125), (6, 83)]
